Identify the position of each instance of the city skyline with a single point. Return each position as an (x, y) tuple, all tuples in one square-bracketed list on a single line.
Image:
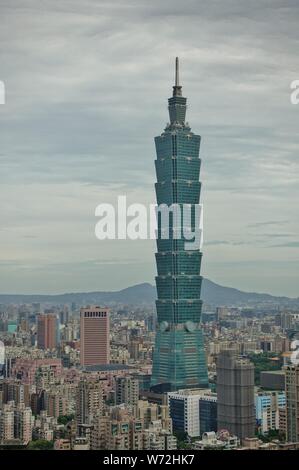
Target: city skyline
[(149, 304), (77, 127)]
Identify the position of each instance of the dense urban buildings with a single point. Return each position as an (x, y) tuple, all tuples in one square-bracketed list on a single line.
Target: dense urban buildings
[(179, 358), (94, 336), (48, 398)]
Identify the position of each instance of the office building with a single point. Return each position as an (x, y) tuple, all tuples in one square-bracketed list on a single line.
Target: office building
[(235, 394), (179, 358), (47, 327), (292, 402), (273, 379), (94, 336), (187, 407), (208, 413), (2, 359)]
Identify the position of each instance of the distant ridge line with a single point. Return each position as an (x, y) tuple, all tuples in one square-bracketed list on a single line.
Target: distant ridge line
[(145, 293)]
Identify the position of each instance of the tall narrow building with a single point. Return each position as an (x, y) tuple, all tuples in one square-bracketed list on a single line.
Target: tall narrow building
[(47, 328), (179, 356), (292, 402), (94, 336), (126, 391), (235, 394), (89, 399)]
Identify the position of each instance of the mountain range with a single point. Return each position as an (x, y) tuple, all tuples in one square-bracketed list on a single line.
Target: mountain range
[(141, 294)]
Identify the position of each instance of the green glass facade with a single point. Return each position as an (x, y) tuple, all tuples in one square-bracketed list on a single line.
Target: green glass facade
[(179, 357)]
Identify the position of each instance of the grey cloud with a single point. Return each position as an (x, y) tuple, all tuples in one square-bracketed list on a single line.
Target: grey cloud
[(267, 223), (226, 242), (287, 245), (87, 86)]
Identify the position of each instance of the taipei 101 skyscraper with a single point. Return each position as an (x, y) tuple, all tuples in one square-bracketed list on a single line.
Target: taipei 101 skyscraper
[(179, 356)]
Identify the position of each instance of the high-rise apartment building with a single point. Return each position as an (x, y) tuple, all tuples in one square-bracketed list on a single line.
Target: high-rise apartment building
[(268, 406), (47, 328), (126, 391), (16, 422), (179, 357), (2, 359), (7, 423), (94, 336), (23, 423), (152, 412), (118, 430), (15, 390), (28, 370), (56, 404), (155, 438), (89, 400), (147, 427), (292, 402), (235, 394)]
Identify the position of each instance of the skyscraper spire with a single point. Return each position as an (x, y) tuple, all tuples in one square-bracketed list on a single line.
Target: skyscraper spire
[(176, 71), (177, 89)]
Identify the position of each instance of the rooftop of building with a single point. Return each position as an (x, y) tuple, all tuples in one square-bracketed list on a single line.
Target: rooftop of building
[(192, 392), (107, 367), (275, 372)]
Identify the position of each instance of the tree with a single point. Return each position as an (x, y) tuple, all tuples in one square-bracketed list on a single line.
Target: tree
[(262, 362), (182, 438), (64, 419), (40, 444)]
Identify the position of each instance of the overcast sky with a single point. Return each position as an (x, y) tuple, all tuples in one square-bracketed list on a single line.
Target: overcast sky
[(87, 83)]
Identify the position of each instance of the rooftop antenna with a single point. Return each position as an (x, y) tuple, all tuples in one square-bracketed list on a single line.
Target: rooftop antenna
[(177, 89), (176, 71)]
